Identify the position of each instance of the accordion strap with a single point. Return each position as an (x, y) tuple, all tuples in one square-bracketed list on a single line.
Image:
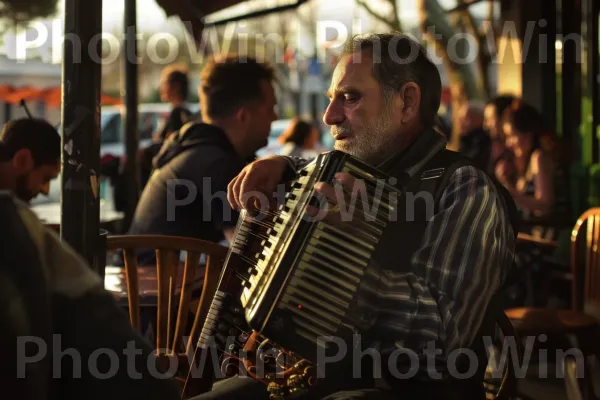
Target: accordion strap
[(406, 164)]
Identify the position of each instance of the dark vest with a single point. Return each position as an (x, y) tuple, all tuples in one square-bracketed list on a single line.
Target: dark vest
[(412, 221), (404, 237)]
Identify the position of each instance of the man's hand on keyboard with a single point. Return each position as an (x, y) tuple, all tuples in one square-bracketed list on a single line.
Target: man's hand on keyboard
[(256, 182)]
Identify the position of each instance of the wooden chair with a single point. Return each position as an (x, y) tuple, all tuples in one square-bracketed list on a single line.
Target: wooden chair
[(578, 327), (508, 386), (168, 249), (504, 387)]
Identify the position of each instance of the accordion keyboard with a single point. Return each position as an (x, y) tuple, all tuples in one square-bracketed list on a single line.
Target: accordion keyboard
[(304, 273), (271, 230)]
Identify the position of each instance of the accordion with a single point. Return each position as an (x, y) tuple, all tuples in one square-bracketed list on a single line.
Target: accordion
[(304, 272), (298, 277)]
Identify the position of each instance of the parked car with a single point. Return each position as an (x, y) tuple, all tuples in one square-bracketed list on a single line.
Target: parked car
[(151, 117), (112, 137), (112, 140), (277, 128)]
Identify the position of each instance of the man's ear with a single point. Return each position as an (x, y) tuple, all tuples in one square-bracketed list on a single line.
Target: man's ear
[(242, 115), (22, 161), (410, 94)]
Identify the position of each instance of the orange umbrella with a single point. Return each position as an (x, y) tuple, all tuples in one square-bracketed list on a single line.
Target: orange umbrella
[(109, 100), (5, 90), (25, 93), (53, 98)]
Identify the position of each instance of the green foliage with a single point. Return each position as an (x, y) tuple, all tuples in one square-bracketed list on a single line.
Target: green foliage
[(24, 11)]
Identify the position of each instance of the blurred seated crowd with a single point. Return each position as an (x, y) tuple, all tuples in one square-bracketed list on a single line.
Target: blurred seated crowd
[(510, 140)]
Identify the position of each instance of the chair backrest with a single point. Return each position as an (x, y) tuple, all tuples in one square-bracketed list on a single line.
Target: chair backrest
[(168, 249), (585, 262), (508, 386)]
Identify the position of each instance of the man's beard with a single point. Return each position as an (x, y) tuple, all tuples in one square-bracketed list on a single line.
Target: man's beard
[(372, 143), (21, 189)]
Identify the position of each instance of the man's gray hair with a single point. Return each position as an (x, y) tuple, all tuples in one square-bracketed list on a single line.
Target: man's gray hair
[(397, 60)]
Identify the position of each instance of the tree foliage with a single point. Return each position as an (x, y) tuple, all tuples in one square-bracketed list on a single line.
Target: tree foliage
[(18, 12), (467, 81)]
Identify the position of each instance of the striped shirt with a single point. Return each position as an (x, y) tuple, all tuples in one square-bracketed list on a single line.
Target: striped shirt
[(464, 257)]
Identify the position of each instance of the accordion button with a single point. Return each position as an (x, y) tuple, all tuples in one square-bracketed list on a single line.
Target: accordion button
[(283, 208)]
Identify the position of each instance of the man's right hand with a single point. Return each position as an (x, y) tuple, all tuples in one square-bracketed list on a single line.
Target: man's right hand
[(256, 182)]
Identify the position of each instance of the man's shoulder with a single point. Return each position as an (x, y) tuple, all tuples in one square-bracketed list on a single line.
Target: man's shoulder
[(67, 273), (210, 160), (471, 184), (203, 152), (470, 180)]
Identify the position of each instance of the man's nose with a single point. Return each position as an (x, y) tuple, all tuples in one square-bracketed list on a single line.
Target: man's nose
[(334, 114)]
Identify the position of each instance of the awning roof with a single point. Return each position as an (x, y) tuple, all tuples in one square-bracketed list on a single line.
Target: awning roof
[(196, 14)]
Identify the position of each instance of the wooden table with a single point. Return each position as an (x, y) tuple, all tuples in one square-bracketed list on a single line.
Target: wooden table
[(524, 238), (533, 253), (115, 282), (50, 215)]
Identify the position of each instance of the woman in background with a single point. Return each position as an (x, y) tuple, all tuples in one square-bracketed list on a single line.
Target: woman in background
[(299, 138), (530, 178), (492, 123)]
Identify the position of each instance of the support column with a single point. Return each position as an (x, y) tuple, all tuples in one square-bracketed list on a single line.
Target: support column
[(130, 67), (7, 112), (539, 65), (80, 136), (527, 54), (571, 61), (592, 110)]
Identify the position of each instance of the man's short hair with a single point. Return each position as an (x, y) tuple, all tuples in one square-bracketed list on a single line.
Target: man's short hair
[(37, 135), (230, 83), (174, 75), (397, 60)]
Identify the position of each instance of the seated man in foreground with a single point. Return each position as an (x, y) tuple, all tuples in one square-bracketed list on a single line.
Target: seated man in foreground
[(63, 336)]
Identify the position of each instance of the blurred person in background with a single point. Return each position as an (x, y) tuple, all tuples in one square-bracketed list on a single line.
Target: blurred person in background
[(492, 123), (299, 139), (29, 158), (187, 193), (474, 142), (530, 178), (174, 89)]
